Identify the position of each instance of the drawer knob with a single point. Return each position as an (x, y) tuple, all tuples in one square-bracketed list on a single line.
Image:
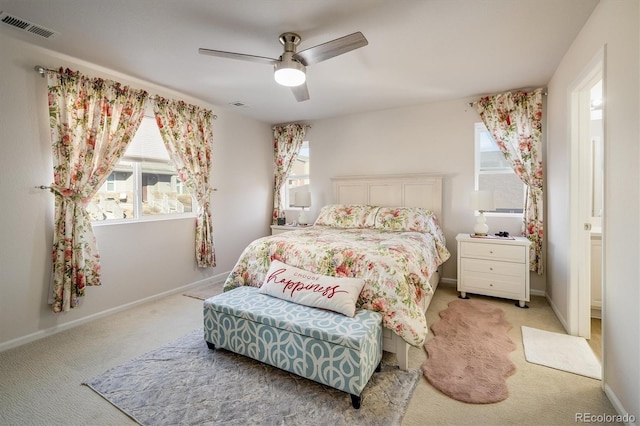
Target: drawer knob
[(490, 285), (491, 251), (491, 269)]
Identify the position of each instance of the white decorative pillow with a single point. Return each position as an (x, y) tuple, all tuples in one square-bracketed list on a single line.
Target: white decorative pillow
[(310, 289)]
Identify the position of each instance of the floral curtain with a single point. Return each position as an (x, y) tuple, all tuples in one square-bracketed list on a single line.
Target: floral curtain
[(188, 136), (515, 121), (91, 121), (287, 141)]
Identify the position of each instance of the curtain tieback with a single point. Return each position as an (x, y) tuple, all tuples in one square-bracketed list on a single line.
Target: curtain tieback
[(205, 198), (69, 193)]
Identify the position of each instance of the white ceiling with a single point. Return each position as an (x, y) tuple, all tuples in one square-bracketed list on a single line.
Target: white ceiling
[(419, 51)]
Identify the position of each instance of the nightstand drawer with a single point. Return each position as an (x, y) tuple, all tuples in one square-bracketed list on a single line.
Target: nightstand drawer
[(503, 252), (495, 285), (507, 269), (279, 229)]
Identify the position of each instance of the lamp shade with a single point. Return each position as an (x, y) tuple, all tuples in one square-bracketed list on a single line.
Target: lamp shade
[(302, 199), (482, 201), (289, 72)]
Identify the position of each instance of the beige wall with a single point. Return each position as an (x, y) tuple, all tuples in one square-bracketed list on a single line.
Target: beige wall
[(139, 260), (436, 137), (614, 23)]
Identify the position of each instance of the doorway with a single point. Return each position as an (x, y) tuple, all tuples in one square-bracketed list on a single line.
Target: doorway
[(587, 198)]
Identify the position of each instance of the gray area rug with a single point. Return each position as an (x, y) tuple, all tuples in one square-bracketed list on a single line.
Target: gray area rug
[(185, 383)]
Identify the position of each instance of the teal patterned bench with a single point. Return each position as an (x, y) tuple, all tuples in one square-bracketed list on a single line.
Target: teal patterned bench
[(323, 346)]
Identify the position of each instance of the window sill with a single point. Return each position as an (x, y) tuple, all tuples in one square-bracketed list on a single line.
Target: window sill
[(159, 218), (513, 215)]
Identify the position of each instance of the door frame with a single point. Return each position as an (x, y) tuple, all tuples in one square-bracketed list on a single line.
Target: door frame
[(579, 294)]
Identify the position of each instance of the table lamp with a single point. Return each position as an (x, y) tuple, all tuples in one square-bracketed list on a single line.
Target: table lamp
[(481, 201), (302, 199)]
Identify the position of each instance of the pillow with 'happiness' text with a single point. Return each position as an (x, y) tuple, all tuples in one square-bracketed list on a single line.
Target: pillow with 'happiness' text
[(337, 294)]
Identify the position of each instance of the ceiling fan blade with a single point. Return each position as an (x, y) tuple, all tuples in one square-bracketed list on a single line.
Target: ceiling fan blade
[(331, 48), (301, 92), (241, 56)]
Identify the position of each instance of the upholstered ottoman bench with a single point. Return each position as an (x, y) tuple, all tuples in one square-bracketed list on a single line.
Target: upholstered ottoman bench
[(327, 347)]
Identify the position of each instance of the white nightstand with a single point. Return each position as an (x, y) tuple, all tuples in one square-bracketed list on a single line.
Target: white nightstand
[(279, 229), (494, 267)]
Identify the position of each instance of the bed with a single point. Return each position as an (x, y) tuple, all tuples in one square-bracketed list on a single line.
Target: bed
[(383, 229)]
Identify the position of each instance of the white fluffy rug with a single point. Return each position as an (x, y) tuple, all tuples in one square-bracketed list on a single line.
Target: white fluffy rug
[(560, 351)]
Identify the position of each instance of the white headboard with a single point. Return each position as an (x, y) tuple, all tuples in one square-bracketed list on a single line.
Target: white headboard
[(406, 190)]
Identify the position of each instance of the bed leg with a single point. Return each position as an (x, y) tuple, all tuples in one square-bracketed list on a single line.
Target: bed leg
[(379, 367), (402, 352), (210, 345), (355, 401)]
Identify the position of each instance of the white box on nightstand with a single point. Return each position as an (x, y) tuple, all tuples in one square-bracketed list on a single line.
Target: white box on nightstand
[(496, 267)]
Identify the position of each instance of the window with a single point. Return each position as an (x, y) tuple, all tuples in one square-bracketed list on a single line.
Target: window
[(494, 173), (144, 183), (298, 180)]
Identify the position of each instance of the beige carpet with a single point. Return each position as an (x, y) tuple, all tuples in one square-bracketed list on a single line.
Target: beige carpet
[(40, 382), (205, 291), (538, 395)]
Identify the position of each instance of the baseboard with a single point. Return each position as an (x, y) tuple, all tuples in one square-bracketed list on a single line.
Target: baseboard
[(556, 311), (449, 282), (216, 279), (625, 417), (19, 341)]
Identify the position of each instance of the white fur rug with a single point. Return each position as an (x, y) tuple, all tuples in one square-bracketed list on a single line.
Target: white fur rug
[(560, 351)]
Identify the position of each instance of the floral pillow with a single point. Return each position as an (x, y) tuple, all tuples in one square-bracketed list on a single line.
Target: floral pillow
[(415, 219), (436, 230), (347, 216), (310, 289)]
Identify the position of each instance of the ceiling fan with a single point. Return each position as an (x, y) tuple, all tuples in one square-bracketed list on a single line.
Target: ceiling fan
[(290, 68)]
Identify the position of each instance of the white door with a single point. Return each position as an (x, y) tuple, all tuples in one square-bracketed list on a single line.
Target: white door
[(585, 192)]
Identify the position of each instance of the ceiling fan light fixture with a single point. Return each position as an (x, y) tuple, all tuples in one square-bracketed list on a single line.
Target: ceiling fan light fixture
[(289, 73), (290, 68)]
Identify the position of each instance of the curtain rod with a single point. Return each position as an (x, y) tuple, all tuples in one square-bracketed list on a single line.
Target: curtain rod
[(43, 70), (471, 104), (48, 187)]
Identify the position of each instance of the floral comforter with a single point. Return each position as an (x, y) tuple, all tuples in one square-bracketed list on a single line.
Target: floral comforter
[(396, 267)]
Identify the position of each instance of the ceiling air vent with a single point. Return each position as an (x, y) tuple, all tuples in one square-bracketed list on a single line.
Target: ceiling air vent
[(239, 104), (27, 26)]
